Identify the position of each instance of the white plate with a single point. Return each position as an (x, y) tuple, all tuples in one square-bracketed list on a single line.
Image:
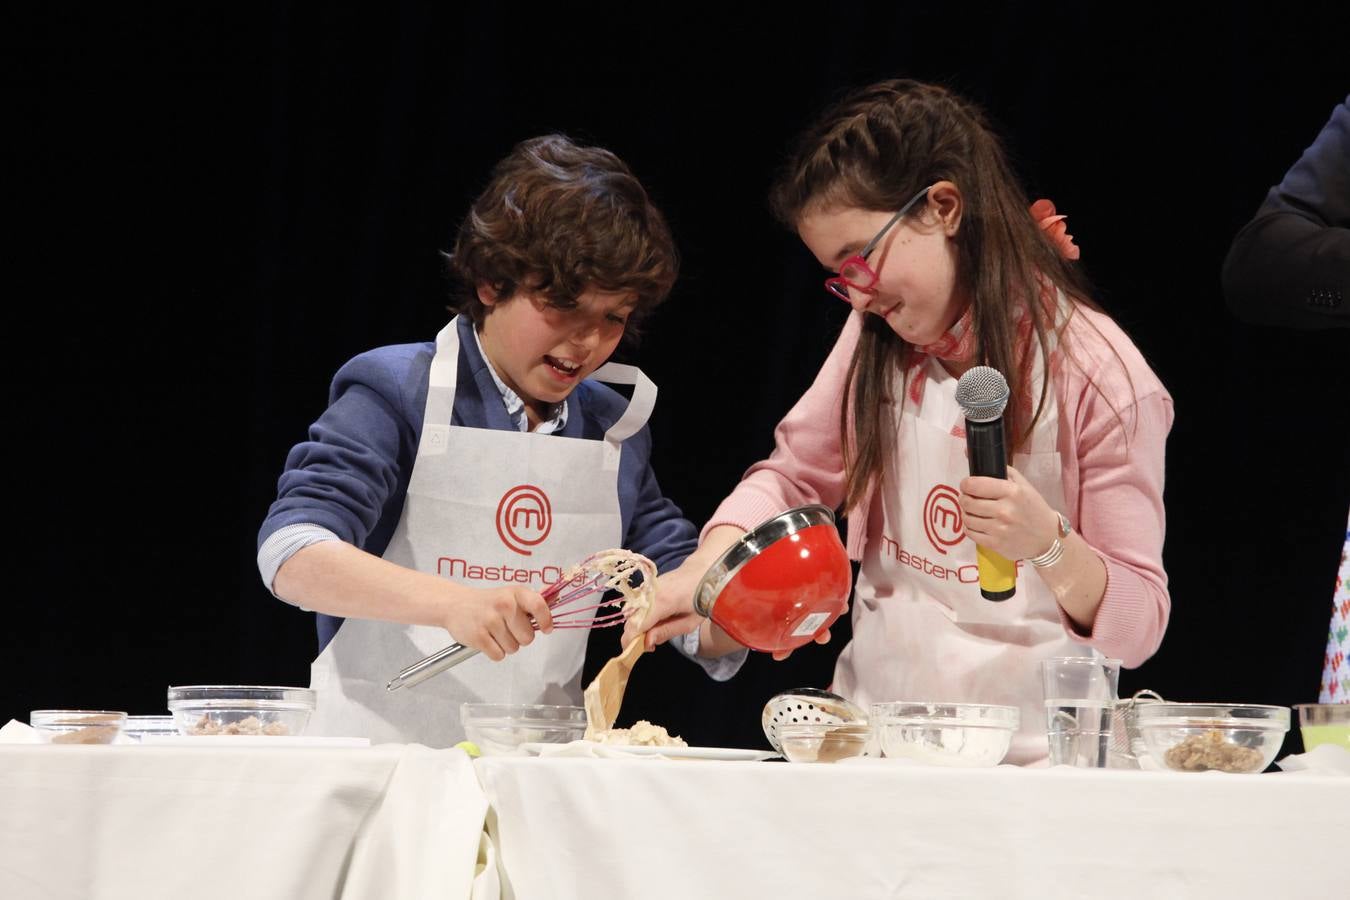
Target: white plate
[(725, 753), (250, 740)]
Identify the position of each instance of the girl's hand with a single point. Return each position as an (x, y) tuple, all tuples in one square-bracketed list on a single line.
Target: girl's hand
[(672, 611), (1008, 516), (822, 638), (673, 614), (496, 621)]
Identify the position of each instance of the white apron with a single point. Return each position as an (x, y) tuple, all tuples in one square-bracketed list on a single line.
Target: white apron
[(484, 508), (921, 629)]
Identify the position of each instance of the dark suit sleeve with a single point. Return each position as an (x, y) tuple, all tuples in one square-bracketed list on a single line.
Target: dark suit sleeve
[(1290, 265)]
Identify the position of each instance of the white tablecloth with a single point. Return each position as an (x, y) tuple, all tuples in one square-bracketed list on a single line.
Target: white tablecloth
[(586, 828), (88, 823)]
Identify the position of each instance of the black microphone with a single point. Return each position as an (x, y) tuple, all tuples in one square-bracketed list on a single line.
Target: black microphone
[(982, 394)]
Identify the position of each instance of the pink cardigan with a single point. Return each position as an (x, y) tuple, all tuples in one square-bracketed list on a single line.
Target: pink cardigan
[(1111, 440)]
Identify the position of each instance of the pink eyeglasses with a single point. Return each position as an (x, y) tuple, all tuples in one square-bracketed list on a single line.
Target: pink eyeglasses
[(855, 272)]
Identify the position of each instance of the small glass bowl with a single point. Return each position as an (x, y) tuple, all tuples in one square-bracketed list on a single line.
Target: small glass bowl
[(824, 742), (235, 709), (140, 727), (1223, 737), (946, 734), (77, 726), (1324, 723), (499, 729)]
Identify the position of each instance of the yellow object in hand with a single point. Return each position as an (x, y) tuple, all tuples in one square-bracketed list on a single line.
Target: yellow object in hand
[(998, 574)]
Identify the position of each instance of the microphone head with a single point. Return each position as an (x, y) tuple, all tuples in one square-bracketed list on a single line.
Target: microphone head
[(982, 393)]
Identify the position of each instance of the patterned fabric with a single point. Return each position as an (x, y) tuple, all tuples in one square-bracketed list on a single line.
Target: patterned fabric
[(958, 345), (515, 407), (1336, 671)]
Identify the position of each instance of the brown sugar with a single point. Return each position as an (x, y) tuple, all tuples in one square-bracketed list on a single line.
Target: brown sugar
[(1202, 752), (249, 725), (93, 730)]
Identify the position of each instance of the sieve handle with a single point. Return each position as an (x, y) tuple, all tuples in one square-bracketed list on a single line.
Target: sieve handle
[(434, 664)]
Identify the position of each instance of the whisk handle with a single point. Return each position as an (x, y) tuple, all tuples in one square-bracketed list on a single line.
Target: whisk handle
[(434, 664)]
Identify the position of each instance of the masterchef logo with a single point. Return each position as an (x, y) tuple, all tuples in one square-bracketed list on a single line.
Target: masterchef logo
[(940, 569), (524, 518), (458, 568), (933, 568), (942, 521)]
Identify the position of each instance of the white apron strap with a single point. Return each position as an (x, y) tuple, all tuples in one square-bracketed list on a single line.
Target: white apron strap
[(639, 408), (444, 374)]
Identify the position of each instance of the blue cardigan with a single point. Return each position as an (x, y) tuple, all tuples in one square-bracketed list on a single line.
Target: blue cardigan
[(352, 474)]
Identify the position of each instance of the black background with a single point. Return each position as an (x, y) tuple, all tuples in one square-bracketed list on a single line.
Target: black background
[(213, 208)]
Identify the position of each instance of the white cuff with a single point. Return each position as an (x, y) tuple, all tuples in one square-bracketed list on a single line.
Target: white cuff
[(283, 543), (720, 668)]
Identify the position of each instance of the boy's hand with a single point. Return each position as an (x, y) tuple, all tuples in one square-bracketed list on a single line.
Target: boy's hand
[(497, 621)]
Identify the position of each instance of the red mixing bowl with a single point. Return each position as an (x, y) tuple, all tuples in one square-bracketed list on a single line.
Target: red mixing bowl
[(781, 584)]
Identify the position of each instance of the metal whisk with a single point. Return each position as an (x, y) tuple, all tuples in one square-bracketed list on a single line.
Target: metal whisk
[(1127, 745), (587, 580)]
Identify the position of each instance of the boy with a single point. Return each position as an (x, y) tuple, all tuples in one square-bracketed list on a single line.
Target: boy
[(447, 483)]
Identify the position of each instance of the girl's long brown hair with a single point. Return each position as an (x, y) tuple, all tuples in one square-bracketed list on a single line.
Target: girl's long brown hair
[(874, 150)]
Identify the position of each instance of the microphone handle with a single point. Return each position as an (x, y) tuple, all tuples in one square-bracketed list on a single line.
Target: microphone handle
[(988, 457), (988, 453)]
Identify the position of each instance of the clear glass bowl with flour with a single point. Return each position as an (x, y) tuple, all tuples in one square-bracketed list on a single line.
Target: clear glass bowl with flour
[(945, 734)]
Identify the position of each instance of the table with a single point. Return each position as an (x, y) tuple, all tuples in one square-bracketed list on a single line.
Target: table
[(198, 823), (405, 822), (592, 828)]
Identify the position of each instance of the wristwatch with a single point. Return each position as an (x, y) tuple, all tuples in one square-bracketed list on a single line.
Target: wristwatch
[(1056, 551)]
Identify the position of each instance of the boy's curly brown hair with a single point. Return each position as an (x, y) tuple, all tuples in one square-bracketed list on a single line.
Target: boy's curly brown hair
[(559, 219)]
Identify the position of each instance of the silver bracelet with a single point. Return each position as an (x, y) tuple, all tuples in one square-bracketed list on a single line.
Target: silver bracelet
[(1056, 551)]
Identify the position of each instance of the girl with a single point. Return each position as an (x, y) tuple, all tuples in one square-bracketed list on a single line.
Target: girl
[(904, 192)]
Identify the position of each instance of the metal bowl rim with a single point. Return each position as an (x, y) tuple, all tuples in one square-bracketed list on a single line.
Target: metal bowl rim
[(750, 545)]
